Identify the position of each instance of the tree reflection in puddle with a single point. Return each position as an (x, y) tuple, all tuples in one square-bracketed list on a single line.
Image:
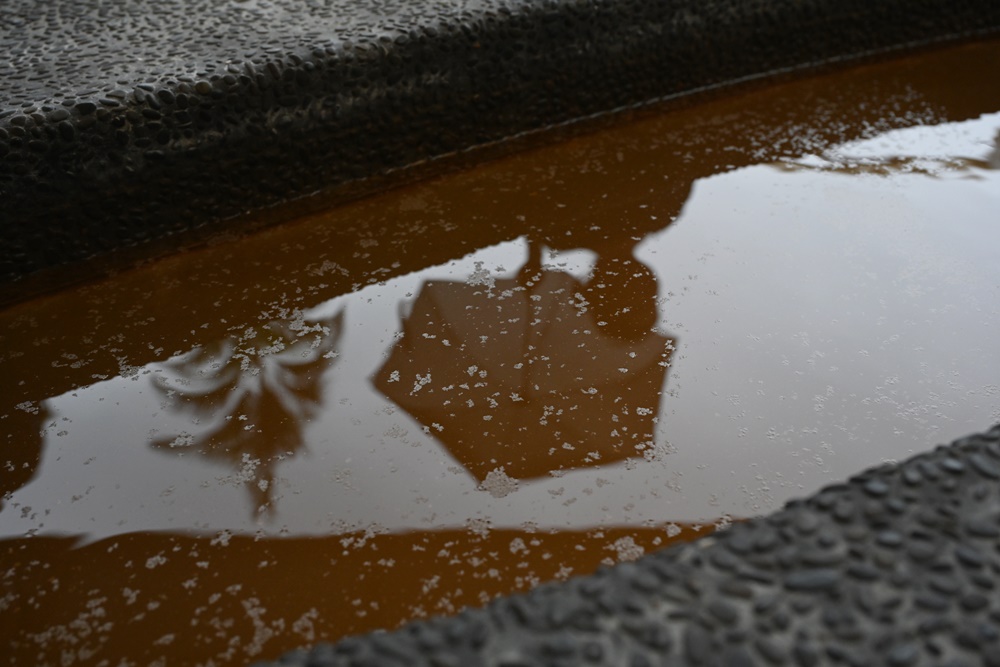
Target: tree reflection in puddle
[(254, 394)]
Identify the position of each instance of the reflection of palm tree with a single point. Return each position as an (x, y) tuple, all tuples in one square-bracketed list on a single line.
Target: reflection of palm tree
[(255, 393), (536, 373)]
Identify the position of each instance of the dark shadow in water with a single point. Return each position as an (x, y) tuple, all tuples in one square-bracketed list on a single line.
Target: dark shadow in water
[(22, 453), (537, 373), (251, 398)]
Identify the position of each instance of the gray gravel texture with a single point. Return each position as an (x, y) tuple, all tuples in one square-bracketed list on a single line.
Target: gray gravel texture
[(898, 566), (132, 120)]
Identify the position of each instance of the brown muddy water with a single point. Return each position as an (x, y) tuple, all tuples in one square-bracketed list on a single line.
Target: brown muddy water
[(465, 387)]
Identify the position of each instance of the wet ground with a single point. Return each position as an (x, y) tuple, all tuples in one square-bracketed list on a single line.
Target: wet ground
[(462, 388)]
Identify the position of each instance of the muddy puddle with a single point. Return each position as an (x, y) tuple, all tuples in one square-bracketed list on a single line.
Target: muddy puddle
[(514, 374)]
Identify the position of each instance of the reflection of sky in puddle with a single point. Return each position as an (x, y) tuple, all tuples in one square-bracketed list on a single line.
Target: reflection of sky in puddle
[(814, 316)]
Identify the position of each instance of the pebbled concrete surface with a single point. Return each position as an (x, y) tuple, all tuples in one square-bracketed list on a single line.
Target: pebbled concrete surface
[(898, 566), (127, 121)]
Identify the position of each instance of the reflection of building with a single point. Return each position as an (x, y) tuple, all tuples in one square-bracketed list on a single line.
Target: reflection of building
[(534, 374), (251, 396)]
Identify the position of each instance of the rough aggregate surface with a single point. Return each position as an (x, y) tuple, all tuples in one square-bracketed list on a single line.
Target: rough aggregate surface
[(897, 566), (126, 121)]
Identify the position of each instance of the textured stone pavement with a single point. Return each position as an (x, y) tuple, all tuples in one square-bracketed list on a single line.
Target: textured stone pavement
[(128, 122)]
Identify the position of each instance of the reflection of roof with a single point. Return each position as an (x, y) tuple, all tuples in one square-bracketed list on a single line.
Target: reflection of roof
[(521, 377)]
